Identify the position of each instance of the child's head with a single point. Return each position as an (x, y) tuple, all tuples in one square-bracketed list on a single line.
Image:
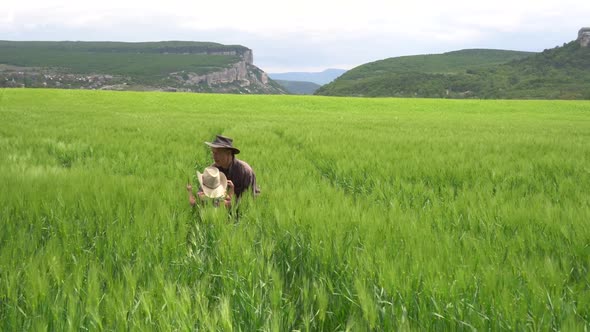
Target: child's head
[(213, 182)]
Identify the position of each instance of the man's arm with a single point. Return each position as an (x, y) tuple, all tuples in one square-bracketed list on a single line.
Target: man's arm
[(230, 194), (191, 199), (253, 186), (249, 182)]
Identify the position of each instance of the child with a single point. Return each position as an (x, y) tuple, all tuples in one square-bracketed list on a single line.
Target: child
[(214, 185)]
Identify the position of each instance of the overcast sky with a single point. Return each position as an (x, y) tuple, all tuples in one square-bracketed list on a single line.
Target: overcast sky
[(306, 35)]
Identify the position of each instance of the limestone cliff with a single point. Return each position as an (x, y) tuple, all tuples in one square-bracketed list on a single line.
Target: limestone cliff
[(584, 37), (241, 77)]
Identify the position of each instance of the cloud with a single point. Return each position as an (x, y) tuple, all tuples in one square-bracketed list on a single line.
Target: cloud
[(306, 33)]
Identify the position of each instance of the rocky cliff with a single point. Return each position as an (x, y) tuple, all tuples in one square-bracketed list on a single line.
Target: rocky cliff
[(241, 77), (584, 37)]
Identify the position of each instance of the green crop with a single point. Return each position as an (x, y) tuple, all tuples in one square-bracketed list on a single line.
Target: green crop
[(375, 214)]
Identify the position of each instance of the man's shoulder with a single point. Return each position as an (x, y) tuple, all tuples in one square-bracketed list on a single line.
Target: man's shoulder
[(243, 165)]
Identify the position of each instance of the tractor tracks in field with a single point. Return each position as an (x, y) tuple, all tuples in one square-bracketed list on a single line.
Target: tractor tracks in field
[(355, 182), (325, 170)]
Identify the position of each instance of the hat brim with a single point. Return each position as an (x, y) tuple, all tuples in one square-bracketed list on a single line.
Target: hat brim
[(219, 146), (213, 192)]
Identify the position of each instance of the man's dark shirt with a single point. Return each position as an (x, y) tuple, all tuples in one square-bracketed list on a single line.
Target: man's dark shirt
[(242, 175)]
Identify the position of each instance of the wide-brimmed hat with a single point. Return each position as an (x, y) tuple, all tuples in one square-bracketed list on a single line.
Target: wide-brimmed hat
[(223, 142), (213, 182)]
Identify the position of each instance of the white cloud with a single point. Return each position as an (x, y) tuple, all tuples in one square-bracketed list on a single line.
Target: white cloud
[(327, 30)]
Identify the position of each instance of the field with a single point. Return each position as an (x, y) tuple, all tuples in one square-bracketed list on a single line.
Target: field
[(375, 214)]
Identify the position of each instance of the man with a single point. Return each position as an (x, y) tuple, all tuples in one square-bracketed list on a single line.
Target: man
[(240, 176)]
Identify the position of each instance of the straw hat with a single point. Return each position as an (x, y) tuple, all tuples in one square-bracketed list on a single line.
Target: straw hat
[(223, 142), (213, 182)]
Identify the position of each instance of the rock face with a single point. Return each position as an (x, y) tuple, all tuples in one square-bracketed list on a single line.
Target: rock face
[(584, 37), (237, 72), (246, 55), (241, 77)]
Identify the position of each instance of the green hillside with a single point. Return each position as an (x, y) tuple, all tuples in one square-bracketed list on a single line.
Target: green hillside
[(148, 65), (451, 62), (142, 59), (562, 72)]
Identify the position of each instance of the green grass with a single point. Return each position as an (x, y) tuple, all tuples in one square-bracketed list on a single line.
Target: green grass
[(375, 214)]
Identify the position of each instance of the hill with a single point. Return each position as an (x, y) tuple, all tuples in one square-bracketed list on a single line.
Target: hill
[(169, 66), (298, 87), (396, 76), (558, 73), (320, 78)]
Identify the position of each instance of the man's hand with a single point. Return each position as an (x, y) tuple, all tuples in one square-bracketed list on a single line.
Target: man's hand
[(191, 199), (229, 194), (231, 187)]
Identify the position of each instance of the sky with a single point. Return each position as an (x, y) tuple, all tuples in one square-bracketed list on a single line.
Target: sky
[(306, 35)]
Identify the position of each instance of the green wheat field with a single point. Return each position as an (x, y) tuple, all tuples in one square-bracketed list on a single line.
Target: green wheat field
[(375, 214)]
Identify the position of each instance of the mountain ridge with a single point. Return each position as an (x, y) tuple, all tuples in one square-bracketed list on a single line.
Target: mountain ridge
[(299, 87), (164, 66), (320, 78)]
